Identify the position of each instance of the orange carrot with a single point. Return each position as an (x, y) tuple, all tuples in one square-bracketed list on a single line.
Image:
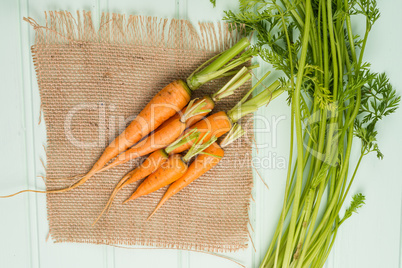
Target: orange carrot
[(170, 171), (153, 184), (204, 162), (162, 137), (163, 105), (151, 164), (239, 79), (216, 125)]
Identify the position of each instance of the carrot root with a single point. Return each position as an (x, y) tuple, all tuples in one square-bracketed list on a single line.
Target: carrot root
[(152, 163), (165, 175)]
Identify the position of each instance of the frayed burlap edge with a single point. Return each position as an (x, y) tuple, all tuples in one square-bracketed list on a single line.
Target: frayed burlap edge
[(62, 28)]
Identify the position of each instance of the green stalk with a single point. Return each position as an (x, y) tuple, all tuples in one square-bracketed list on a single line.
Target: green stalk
[(229, 88), (194, 109), (333, 48), (235, 132), (325, 39), (287, 190), (312, 223), (199, 147), (288, 185), (252, 105), (342, 177), (236, 71), (296, 103), (191, 135), (351, 181), (308, 208), (331, 83), (210, 72)]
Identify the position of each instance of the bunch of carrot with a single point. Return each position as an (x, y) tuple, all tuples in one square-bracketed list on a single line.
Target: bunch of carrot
[(163, 106), (177, 124), (164, 167), (172, 128)]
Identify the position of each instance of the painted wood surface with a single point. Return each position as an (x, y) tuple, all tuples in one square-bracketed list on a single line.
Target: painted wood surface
[(371, 239)]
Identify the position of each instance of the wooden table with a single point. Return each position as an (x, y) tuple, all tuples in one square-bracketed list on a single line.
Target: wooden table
[(371, 239)]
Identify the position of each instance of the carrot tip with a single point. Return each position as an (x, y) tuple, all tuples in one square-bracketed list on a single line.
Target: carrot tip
[(151, 215)]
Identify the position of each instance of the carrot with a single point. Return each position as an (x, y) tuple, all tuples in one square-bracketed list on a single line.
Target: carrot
[(173, 169), (228, 89), (200, 165), (209, 158), (214, 125), (163, 105), (152, 184), (151, 164), (162, 137)]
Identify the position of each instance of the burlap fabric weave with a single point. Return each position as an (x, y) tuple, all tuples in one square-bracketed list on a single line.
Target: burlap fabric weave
[(92, 82)]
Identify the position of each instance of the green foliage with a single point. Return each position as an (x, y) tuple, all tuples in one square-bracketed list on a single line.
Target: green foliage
[(357, 202), (335, 96), (379, 99), (367, 8)]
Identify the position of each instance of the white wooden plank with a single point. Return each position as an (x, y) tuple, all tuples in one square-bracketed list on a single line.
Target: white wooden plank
[(159, 8), (139, 257), (15, 247), (201, 260), (30, 130)]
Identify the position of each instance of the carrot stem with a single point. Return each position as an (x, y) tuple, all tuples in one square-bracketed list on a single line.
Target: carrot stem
[(218, 68), (229, 88), (256, 102)]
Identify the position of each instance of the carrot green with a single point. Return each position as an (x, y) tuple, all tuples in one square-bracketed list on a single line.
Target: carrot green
[(333, 97)]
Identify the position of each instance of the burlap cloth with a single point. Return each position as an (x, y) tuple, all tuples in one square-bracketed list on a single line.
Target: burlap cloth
[(91, 81)]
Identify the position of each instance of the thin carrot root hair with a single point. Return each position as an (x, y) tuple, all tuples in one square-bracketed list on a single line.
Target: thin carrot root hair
[(25, 191), (118, 187), (66, 178), (62, 190)]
